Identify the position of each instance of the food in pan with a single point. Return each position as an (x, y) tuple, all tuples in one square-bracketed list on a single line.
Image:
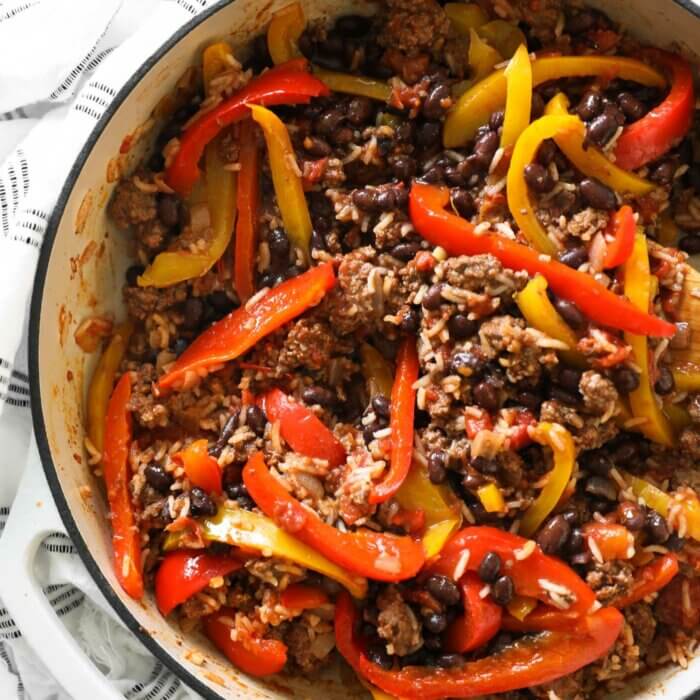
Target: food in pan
[(404, 377)]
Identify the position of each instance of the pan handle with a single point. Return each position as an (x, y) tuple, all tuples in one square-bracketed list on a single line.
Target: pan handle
[(32, 518)]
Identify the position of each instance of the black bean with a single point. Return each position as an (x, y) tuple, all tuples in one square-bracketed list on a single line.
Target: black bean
[(328, 123), (239, 493), (546, 153), (485, 148), (553, 536), (405, 251), (574, 257), (316, 394), (422, 657), (226, 432), (410, 321), (571, 517), (538, 178), (256, 419), (317, 146), (631, 516), (432, 642), (463, 202), (180, 345), (657, 527), (133, 273), (528, 399), (631, 107), (486, 466), (496, 120), (377, 655), (580, 22), (664, 383), (403, 167), (570, 313), (485, 395), (158, 478), (437, 466), (221, 302), (581, 559), (471, 481), (466, 364), (359, 110), (192, 313), (292, 271), (342, 136), (454, 176), (597, 195), (434, 174), (449, 660), (598, 462), (663, 173), (576, 541), (233, 474), (435, 622), (436, 102), (433, 298), (503, 590), (537, 106), (604, 126), (690, 244), (569, 379), (401, 196), (461, 327), (444, 589), (601, 487), (381, 406), (355, 26), (365, 199), (169, 209), (563, 396), (490, 568), (201, 505), (428, 134), (386, 200), (318, 242), (625, 379), (590, 106), (674, 543), (626, 452)]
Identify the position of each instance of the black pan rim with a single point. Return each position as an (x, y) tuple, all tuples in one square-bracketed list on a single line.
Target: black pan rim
[(35, 395)]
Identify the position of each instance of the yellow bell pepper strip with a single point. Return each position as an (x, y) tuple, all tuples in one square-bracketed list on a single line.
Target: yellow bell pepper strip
[(465, 16), (524, 153), (482, 57), (504, 36), (687, 377), (677, 416), (354, 84), (442, 513), (591, 161), (253, 531), (560, 441), (286, 178), (518, 97), (643, 402), (535, 306), (284, 31), (216, 59), (377, 371), (521, 606), (102, 382), (491, 498), (475, 107)]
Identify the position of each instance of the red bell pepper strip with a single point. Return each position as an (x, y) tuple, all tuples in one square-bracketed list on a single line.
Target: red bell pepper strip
[(254, 656), (649, 579), (403, 407), (528, 662), (248, 201), (479, 623), (376, 555), (288, 83), (242, 328), (302, 429), (126, 540), (183, 573), (201, 468), (457, 237), (614, 541), (622, 228), (542, 618), (300, 596), (665, 125), (534, 577)]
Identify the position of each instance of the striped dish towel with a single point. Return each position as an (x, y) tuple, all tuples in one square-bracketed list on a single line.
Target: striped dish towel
[(61, 63)]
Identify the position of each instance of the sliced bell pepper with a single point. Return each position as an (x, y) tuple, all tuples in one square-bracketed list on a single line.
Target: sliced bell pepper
[(288, 83), (254, 656), (687, 378), (241, 329), (504, 36), (377, 371), (301, 428), (520, 607), (475, 106), (539, 312), (286, 178), (247, 203), (102, 383), (126, 538), (442, 512), (643, 399), (482, 57), (516, 118), (480, 621), (622, 228), (403, 408), (354, 84), (612, 540), (491, 498), (300, 596), (542, 618), (649, 579), (535, 576), (380, 556), (525, 663), (253, 531), (665, 125), (456, 235), (284, 31), (465, 16), (590, 160), (200, 467), (183, 573), (561, 443)]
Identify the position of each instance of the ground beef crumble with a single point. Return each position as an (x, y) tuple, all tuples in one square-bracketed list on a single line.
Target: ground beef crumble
[(398, 624)]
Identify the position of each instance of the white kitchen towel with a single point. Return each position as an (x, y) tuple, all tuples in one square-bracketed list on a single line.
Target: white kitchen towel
[(61, 64)]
